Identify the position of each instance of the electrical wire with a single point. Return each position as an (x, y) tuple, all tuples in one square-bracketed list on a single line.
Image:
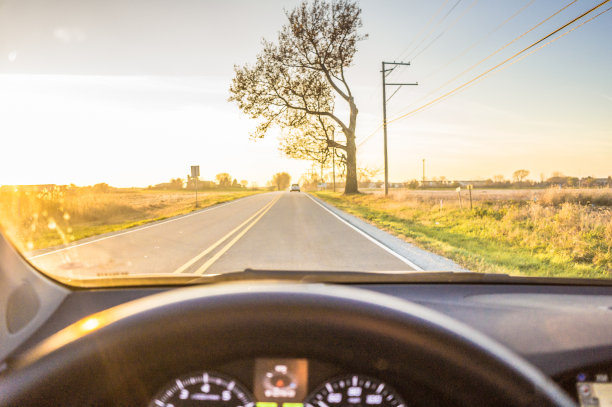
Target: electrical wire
[(429, 33), (549, 42), (480, 40), (491, 55), (472, 81), (416, 37), (514, 56), (393, 94), (427, 24), (450, 27)]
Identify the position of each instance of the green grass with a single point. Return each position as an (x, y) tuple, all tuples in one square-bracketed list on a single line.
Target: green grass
[(517, 238), (35, 219)]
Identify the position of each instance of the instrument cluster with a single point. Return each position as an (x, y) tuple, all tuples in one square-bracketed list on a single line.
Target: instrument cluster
[(276, 383)]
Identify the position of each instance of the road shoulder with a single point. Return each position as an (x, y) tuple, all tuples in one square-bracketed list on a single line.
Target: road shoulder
[(145, 224), (425, 260)]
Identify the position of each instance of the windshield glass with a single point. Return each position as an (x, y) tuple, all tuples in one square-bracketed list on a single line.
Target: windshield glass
[(155, 138)]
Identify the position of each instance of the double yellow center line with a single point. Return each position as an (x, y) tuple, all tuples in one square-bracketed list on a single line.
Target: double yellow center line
[(249, 223)]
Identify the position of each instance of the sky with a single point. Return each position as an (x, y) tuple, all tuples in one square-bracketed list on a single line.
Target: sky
[(134, 93)]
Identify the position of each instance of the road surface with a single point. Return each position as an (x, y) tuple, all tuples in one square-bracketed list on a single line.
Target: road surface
[(272, 231)]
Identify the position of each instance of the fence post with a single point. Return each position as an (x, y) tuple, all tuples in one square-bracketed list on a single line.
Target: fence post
[(470, 189), (459, 194)]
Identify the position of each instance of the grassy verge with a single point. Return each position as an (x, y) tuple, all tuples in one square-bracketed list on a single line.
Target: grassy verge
[(35, 219), (551, 236)]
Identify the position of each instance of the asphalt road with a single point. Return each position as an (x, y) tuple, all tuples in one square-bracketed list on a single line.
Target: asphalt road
[(274, 231)]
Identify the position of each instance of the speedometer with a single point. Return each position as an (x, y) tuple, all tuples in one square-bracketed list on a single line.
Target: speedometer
[(354, 391), (207, 389)]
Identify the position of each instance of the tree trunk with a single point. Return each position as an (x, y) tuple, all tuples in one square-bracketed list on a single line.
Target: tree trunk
[(351, 186), (351, 167)]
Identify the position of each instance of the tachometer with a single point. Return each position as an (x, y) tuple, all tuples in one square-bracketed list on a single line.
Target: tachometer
[(207, 389), (354, 391)]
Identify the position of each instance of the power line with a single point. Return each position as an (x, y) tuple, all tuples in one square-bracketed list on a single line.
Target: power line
[(478, 77), (451, 10), (427, 24), (493, 54), (530, 53), (471, 47), (417, 37), (556, 38), (369, 136), (452, 24), (473, 80), (430, 31)]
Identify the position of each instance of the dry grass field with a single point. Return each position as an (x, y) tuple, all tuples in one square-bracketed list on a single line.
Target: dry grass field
[(551, 196), (564, 233), (36, 218)]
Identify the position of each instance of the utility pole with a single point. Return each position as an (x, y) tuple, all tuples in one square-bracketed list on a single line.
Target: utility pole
[(386, 72), (423, 172), (334, 163), (322, 177)]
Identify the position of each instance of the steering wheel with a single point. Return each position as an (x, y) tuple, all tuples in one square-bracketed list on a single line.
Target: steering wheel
[(121, 356)]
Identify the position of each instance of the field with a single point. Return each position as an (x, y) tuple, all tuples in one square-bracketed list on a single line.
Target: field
[(562, 233), (36, 218)]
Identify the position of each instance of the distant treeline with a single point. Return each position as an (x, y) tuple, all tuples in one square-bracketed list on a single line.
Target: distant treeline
[(174, 185), (223, 181), (561, 182)]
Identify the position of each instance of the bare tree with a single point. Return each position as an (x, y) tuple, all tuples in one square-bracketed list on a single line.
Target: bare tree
[(498, 179), (313, 143), (294, 82), (306, 144), (520, 175), (366, 174), (224, 179), (281, 180), (310, 142), (176, 183)]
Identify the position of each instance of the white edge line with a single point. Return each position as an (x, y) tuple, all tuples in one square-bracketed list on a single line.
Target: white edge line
[(138, 229), (370, 238)]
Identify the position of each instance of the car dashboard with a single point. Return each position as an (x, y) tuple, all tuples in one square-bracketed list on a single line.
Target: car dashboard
[(277, 382), (564, 330)]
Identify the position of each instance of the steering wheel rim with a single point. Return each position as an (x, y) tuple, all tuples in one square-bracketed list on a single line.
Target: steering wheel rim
[(114, 355)]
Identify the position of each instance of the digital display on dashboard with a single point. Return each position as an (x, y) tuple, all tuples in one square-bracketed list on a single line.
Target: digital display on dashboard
[(280, 382), (594, 390)]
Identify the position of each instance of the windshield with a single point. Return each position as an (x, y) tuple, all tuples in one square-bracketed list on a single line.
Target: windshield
[(158, 139)]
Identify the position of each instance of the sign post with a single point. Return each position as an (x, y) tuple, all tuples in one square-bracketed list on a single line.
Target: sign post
[(195, 173)]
